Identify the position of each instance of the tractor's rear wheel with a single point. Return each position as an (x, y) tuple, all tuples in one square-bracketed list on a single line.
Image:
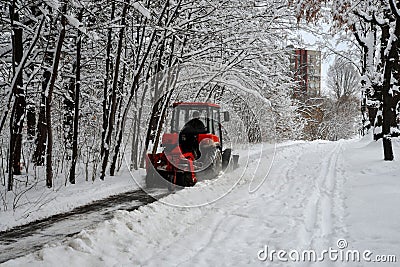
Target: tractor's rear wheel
[(217, 163), (215, 166), (187, 179)]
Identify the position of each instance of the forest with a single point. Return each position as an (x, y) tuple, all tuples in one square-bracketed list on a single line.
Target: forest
[(86, 86)]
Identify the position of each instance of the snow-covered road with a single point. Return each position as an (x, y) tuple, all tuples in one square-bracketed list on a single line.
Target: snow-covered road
[(315, 194), (293, 209), (31, 237)]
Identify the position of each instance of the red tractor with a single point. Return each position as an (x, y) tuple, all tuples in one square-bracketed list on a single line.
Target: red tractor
[(193, 148)]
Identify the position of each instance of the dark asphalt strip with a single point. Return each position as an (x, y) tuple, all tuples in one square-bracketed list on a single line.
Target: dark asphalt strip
[(28, 238)]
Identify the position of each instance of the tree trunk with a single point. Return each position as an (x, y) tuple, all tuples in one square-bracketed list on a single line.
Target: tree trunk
[(41, 128), (389, 113), (387, 117), (105, 90), (68, 122), (31, 121), (18, 71), (76, 104), (113, 103), (18, 109), (49, 94), (136, 136), (134, 148), (40, 142), (120, 125)]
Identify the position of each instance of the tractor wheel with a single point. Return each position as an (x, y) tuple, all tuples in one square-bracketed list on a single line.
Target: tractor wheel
[(216, 165), (187, 179)]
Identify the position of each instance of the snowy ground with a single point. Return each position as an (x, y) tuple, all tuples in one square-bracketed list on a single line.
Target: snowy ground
[(40, 202), (315, 194)]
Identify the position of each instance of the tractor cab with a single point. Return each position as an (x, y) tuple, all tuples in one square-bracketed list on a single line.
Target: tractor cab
[(194, 123), (192, 149)]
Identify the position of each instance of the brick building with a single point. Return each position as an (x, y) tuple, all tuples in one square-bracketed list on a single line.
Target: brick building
[(306, 66)]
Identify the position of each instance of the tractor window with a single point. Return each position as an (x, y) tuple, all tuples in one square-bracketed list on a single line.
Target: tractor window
[(183, 115), (216, 120), (200, 114), (180, 118), (208, 116)]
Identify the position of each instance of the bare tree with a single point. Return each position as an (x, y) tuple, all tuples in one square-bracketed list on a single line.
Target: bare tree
[(343, 79), (49, 91), (113, 98), (17, 113), (76, 103)]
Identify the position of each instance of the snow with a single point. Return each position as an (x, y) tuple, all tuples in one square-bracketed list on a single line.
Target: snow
[(41, 202), (315, 194), (74, 22), (373, 197), (54, 4), (144, 11)]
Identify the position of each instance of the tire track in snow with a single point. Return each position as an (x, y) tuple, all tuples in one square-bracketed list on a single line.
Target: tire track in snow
[(323, 206), (276, 201), (320, 201), (223, 227), (296, 194)]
